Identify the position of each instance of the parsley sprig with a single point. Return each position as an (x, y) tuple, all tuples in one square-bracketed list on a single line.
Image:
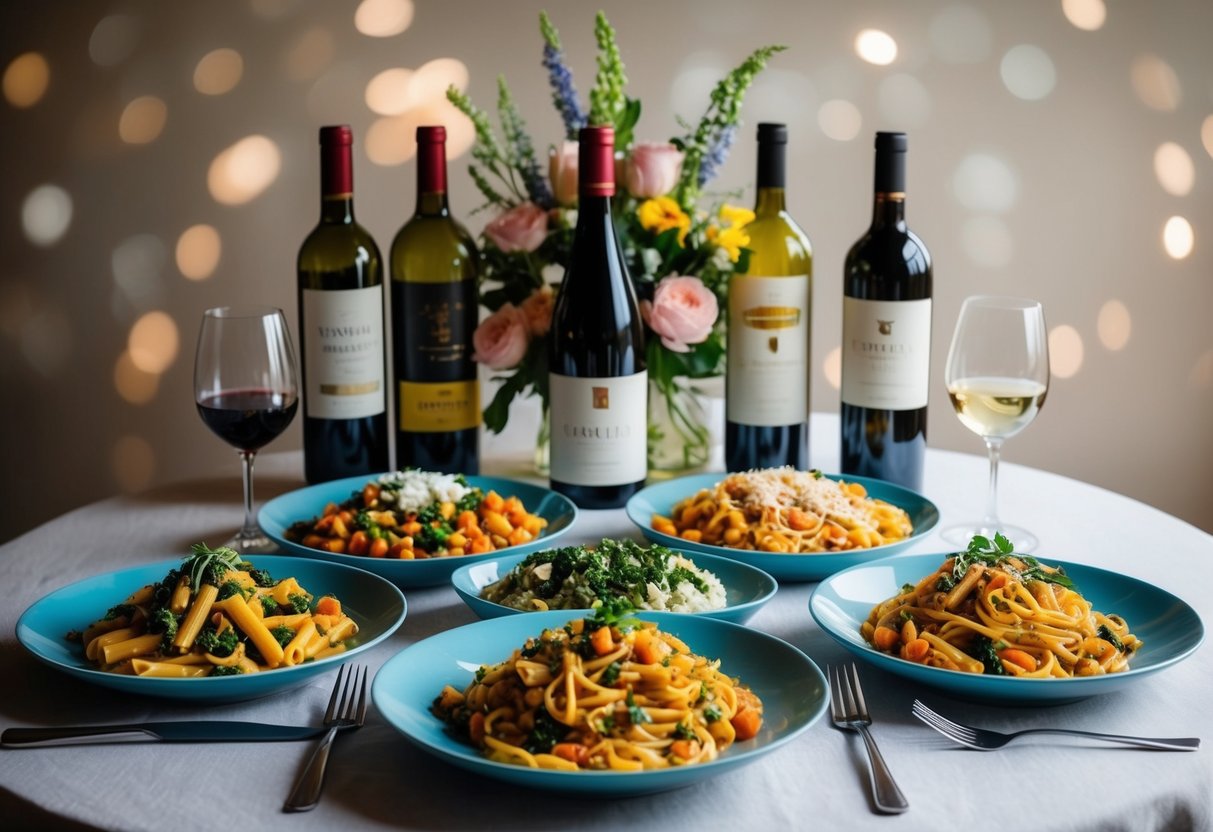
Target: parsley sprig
[(996, 552)]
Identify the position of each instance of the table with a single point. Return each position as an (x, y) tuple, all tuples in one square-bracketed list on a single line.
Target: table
[(377, 780)]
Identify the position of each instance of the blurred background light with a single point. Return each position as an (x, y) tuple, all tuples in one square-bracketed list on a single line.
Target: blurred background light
[(429, 83), (987, 241), (1202, 371), (1065, 351), (840, 120), (984, 182), (142, 120), (388, 92), (961, 34), (1155, 83), (392, 140), (1027, 72), (310, 54), (198, 251), (25, 80), (1087, 15), (1115, 325), (876, 47), (46, 215), (1174, 169), (134, 463), (114, 39), (46, 341), (218, 72), (1206, 134), (383, 18), (1178, 238), (133, 385), (243, 171), (153, 342), (832, 367), (904, 101), (138, 264)]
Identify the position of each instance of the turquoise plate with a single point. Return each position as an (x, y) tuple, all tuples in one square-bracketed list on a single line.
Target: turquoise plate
[(661, 499), (791, 687), (277, 515), (747, 588), (1169, 629), (375, 605)]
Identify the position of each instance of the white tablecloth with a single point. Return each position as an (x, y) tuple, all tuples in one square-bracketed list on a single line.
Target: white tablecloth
[(378, 780)]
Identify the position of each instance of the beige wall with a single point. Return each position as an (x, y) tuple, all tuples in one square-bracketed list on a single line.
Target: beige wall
[(1055, 197)]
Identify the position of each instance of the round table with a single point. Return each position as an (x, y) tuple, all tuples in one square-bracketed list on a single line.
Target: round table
[(377, 779)]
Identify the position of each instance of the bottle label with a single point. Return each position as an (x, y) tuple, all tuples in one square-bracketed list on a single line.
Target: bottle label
[(768, 356), (438, 407), (886, 353), (343, 333), (599, 429), (433, 325)]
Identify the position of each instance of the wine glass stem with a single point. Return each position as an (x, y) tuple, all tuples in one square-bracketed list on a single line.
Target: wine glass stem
[(990, 521), (249, 530)]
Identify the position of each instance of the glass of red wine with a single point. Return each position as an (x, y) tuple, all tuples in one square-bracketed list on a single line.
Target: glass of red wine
[(247, 390)]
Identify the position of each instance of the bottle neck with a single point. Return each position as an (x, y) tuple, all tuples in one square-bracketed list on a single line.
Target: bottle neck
[(889, 210), (431, 179), (772, 177), (889, 203), (769, 201), (336, 183), (337, 209)]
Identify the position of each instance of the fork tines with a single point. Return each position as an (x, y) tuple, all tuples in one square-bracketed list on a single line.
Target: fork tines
[(941, 723)]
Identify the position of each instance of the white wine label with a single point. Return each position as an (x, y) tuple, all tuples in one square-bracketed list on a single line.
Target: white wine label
[(886, 353), (768, 357), (343, 356), (599, 429)]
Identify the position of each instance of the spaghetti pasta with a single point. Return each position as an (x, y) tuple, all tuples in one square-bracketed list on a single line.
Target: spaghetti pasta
[(989, 610), (593, 695), (785, 510)]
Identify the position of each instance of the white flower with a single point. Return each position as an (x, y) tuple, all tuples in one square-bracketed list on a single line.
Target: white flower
[(721, 260), (651, 258), (570, 217)]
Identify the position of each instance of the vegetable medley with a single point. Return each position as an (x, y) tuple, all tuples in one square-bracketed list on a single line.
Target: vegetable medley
[(419, 514)]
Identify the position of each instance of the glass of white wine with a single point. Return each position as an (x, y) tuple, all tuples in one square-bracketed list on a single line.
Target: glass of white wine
[(997, 376)]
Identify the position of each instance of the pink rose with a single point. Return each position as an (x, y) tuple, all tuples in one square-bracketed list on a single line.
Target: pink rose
[(522, 228), (683, 311), (537, 309), (501, 339), (652, 169), (562, 170)]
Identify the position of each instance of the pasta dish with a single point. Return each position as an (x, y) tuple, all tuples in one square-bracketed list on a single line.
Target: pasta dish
[(216, 616), (785, 510), (594, 695), (989, 610)]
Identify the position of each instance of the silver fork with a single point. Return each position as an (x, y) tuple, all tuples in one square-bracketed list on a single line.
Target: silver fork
[(350, 713), (984, 740), (849, 712)]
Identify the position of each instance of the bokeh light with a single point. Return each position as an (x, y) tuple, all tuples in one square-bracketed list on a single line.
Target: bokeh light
[(134, 463), (273, 9), (1155, 83), (388, 92), (153, 342), (392, 140), (198, 251), (243, 171), (133, 385), (961, 34), (383, 18), (984, 182), (1178, 238), (218, 72), (987, 241), (839, 120), (431, 80), (1174, 169), (138, 264), (46, 215), (142, 120), (697, 74), (876, 47), (1065, 351), (1088, 15), (1115, 325), (310, 55), (904, 100), (26, 79), (46, 341), (1206, 134), (113, 39), (832, 367), (1202, 371), (1027, 72)]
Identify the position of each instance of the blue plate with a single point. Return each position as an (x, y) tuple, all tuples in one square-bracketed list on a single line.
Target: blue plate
[(661, 499), (1169, 629), (747, 588), (792, 688), (375, 605), (277, 515)]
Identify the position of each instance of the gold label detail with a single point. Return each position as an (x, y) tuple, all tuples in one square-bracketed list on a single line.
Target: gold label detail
[(437, 407), (349, 389), (771, 317), (602, 398)]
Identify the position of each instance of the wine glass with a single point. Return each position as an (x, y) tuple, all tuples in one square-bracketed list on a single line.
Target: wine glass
[(246, 389), (997, 377)]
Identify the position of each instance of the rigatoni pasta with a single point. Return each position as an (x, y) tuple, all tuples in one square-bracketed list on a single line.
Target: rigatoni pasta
[(216, 615)]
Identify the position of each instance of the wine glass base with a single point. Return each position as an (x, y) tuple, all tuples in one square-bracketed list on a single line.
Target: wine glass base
[(960, 535), (252, 544)]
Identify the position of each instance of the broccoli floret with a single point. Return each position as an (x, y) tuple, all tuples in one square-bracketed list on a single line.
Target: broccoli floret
[(470, 501), (985, 653), (163, 621), (547, 733), (119, 611), (299, 602), (220, 670), (282, 634), (216, 643), (269, 605), (432, 538), (261, 577), (230, 588)]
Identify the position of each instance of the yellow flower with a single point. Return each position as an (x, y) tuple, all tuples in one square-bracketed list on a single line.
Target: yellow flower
[(662, 214), (732, 239), (736, 216)]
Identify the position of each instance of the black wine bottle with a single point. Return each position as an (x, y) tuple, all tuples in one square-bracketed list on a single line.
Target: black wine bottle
[(886, 335), (598, 380), (767, 385), (435, 305), (340, 280)]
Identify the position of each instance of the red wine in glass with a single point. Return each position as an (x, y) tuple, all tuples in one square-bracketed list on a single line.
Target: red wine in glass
[(247, 419)]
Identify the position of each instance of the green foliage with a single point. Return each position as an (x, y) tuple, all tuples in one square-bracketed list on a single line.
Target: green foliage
[(208, 566), (996, 552), (216, 643)]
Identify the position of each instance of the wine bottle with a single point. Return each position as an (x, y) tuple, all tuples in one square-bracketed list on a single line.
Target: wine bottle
[(767, 383), (435, 307), (340, 280), (597, 378), (886, 335)]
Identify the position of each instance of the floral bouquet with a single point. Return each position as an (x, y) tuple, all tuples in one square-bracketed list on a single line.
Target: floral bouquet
[(680, 256)]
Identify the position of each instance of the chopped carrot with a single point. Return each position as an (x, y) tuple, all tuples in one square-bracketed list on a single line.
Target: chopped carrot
[(519, 536), (601, 641), (574, 752), (885, 638), (1018, 657), (359, 543), (493, 501), (997, 582), (649, 650), (916, 650), (802, 520), (476, 728), (684, 749), (370, 493), (481, 545), (746, 723), (328, 605), (466, 520), (379, 547)]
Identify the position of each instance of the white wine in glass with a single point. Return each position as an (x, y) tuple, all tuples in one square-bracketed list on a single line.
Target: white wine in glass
[(997, 376)]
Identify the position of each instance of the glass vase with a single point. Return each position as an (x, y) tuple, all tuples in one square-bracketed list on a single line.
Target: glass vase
[(680, 439)]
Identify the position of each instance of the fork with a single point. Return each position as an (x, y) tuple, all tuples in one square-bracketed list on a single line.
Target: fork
[(350, 713), (984, 740), (849, 711)]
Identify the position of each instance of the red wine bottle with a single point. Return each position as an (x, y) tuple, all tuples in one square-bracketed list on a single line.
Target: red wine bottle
[(886, 335), (435, 306), (767, 385), (340, 280), (598, 380)]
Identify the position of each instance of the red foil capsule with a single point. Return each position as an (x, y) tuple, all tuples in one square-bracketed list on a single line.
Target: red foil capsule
[(431, 160), (596, 161), (336, 161)]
